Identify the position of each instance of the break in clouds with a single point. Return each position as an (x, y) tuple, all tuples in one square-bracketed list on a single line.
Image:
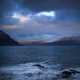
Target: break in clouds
[(43, 25), (30, 23)]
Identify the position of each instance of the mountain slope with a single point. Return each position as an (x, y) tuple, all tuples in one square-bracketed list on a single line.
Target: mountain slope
[(74, 40), (6, 39)]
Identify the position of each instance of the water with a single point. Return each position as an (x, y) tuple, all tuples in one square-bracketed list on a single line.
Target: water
[(23, 54), (17, 61)]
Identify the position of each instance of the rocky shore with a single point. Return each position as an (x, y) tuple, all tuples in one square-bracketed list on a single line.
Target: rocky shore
[(39, 71)]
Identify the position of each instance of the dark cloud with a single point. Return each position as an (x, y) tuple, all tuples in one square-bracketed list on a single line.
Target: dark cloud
[(7, 6), (38, 5), (51, 4), (66, 23)]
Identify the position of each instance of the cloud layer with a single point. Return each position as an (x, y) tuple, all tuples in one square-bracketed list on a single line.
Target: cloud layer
[(41, 26)]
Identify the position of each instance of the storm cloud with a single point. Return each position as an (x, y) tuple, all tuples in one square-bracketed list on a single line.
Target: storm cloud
[(40, 19), (42, 26), (39, 5)]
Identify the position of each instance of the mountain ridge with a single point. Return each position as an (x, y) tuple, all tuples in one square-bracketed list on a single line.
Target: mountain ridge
[(71, 40), (5, 39)]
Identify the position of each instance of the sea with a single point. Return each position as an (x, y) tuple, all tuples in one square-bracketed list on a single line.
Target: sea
[(37, 62)]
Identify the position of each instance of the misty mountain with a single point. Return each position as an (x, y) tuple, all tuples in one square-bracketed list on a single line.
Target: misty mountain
[(73, 40), (5, 39)]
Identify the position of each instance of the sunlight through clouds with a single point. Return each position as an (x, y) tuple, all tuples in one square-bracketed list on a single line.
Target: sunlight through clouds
[(47, 13), (44, 23)]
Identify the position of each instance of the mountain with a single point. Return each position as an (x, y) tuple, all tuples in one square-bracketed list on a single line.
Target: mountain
[(73, 40), (31, 42), (5, 39)]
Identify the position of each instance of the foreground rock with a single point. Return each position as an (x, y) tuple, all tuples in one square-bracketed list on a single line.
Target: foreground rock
[(68, 74), (38, 71)]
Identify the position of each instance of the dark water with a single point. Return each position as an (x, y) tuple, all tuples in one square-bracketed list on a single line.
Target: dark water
[(22, 54), (17, 62)]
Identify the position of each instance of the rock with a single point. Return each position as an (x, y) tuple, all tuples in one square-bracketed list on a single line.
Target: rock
[(68, 73), (74, 71), (39, 66)]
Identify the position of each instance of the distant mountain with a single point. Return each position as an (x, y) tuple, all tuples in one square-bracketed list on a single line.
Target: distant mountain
[(5, 39), (73, 40), (31, 42)]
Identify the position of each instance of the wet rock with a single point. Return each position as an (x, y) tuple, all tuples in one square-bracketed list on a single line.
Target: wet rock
[(68, 73), (74, 71), (39, 66)]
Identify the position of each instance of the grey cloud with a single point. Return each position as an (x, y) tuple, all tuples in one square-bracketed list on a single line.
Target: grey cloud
[(41, 5), (57, 28)]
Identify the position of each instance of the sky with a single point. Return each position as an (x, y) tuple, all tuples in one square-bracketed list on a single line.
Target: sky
[(45, 20)]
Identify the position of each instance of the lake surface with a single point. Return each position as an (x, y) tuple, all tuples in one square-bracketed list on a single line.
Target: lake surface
[(22, 54), (20, 62)]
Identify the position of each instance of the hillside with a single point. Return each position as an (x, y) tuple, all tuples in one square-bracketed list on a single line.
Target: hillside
[(5, 39), (73, 40)]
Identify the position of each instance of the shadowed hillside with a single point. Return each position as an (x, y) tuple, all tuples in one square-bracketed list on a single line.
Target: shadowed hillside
[(6, 39)]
